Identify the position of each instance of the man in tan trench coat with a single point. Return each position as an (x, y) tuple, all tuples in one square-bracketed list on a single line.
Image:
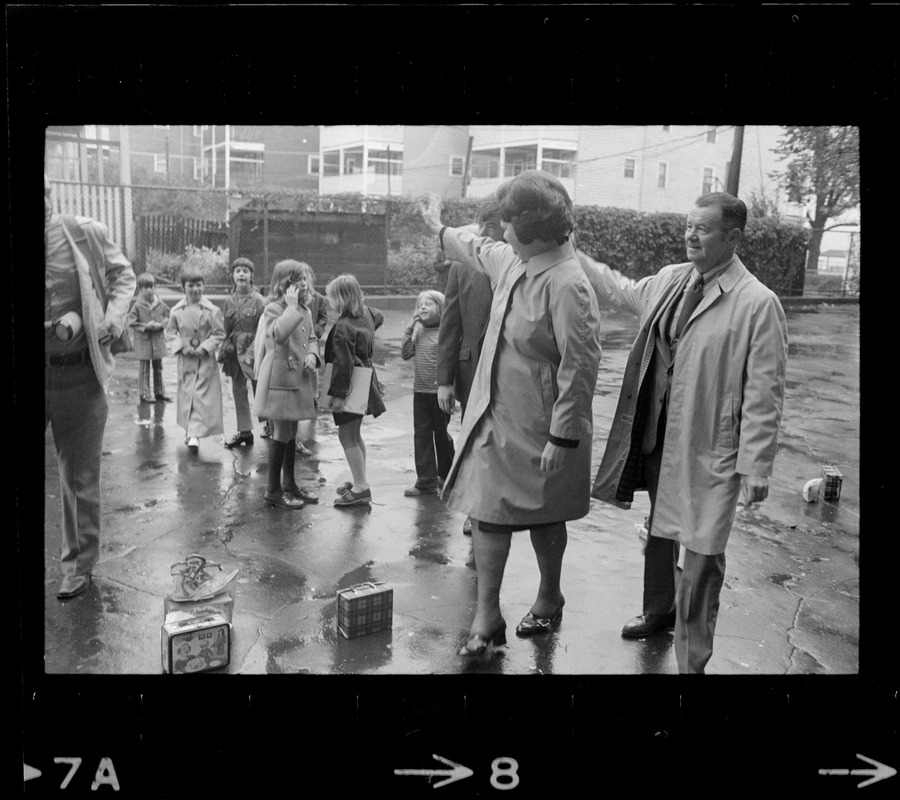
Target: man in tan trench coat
[(697, 419)]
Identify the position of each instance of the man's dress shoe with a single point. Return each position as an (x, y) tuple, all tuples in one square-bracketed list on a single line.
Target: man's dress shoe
[(645, 624), (73, 585)]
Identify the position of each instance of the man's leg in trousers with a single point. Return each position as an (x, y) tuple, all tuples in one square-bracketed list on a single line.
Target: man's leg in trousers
[(423, 441), (443, 443), (660, 555), (77, 412), (698, 608)]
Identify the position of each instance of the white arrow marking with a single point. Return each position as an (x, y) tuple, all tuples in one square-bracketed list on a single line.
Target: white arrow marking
[(458, 771), (880, 772), (31, 772)]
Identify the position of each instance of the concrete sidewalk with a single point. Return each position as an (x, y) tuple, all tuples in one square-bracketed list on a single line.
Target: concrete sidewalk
[(790, 603)]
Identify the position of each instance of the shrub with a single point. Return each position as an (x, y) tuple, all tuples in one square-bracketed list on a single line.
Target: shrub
[(212, 264), (164, 266)]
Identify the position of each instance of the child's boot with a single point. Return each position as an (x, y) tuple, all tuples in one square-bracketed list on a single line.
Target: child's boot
[(288, 481), (275, 495)]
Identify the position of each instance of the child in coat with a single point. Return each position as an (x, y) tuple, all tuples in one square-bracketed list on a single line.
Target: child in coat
[(351, 343), (433, 445), (242, 311), (148, 317), (285, 386), (194, 333), (318, 311)]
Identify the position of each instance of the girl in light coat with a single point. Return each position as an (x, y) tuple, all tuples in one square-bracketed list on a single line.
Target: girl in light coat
[(285, 391)]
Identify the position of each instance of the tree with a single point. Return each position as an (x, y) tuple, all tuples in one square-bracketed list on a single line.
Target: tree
[(822, 173)]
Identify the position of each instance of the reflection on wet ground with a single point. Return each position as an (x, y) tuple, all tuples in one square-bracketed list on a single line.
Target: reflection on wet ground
[(791, 602)]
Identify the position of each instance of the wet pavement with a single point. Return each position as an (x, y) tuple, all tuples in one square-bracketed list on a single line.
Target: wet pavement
[(790, 603)]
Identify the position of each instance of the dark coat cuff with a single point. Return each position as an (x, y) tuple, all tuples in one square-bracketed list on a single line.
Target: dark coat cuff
[(572, 443)]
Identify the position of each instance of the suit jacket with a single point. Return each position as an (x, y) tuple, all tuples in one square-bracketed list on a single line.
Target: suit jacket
[(118, 289), (463, 324), (725, 398)]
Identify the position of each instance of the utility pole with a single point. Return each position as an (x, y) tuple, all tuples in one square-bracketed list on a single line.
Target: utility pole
[(734, 174), (466, 169)]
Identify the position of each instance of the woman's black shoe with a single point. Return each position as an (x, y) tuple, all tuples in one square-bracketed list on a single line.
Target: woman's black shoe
[(477, 646), (531, 625)]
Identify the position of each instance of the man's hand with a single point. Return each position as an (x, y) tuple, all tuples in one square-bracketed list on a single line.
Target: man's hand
[(310, 361), (446, 399), (552, 457), (753, 489), (337, 404)]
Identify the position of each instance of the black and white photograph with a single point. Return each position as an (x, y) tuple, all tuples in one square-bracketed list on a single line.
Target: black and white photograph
[(483, 357)]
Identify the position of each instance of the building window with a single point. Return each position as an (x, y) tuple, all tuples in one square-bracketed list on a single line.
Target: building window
[(159, 164), (518, 159), (711, 134), (331, 162), (62, 161), (384, 162), (457, 166), (248, 133), (629, 167), (560, 163), (353, 161), (162, 127), (662, 175), (709, 180), (312, 165), (246, 171), (198, 168), (486, 164)]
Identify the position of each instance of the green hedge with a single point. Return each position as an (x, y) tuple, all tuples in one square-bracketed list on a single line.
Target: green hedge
[(636, 243)]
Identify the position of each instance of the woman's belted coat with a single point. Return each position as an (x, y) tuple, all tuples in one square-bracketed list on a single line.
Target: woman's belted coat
[(534, 383)]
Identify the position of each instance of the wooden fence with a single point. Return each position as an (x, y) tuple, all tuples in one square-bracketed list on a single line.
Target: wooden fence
[(105, 204), (171, 234)]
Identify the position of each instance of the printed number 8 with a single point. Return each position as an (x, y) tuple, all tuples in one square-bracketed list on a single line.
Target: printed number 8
[(508, 771)]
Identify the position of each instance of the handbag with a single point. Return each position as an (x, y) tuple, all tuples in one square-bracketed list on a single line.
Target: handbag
[(357, 402), (124, 343)]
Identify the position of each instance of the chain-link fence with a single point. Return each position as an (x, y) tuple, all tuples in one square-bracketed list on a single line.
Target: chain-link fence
[(838, 268)]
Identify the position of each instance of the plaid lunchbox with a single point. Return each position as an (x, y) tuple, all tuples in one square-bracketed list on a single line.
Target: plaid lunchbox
[(365, 608), (832, 485)]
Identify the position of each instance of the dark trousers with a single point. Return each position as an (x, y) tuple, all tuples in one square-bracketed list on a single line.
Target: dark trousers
[(144, 378), (75, 407), (692, 592), (433, 445)]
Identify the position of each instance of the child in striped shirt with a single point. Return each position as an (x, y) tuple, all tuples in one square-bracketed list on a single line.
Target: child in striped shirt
[(433, 445)]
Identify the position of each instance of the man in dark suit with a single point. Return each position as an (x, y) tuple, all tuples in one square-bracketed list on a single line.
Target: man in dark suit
[(88, 286), (469, 295)]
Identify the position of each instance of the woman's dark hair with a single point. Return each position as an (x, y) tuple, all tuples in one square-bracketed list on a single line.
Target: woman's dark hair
[(734, 211), (538, 206)]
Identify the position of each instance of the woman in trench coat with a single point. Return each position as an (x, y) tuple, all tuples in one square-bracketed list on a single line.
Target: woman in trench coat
[(523, 458)]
